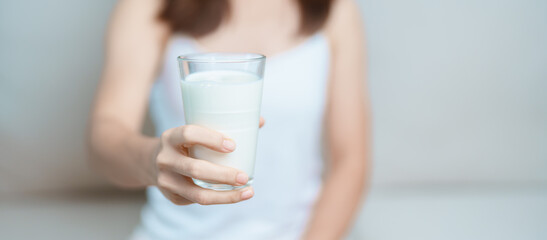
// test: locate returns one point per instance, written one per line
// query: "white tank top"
(289, 159)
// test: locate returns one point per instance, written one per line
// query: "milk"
(228, 102)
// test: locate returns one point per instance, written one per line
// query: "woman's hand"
(175, 168)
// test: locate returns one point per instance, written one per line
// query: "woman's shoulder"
(344, 19)
(137, 17)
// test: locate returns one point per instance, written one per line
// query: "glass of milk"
(223, 92)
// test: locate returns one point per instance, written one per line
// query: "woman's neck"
(268, 27)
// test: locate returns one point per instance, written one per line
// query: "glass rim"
(222, 57)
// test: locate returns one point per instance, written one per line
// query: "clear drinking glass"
(223, 92)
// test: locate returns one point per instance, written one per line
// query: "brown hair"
(199, 17)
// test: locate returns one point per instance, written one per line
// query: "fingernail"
(242, 178)
(246, 194)
(229, 145)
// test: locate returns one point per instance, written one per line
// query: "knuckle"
(162, 181)
(234, 198)
(174, 198)
(219, 139)
(200, 198)
(178, 200)
(188, 131)
(162, 161)
(166, 134)
(193, 169)
(232, 176)
(227, 176)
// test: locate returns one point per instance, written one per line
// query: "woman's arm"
(134, 48)
(347, 126)
(134, 45)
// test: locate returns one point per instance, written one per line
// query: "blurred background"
(459, 95)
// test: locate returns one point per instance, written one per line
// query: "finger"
(175, 198)
(204, 196)
(184, 187)
(189, 135)
(262, 121)
(208, 171)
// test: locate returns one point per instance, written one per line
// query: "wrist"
(146, 148)
(150, 153)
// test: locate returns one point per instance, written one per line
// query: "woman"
(314, 89)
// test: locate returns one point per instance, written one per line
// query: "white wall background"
(459, 90)
(50, 58)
